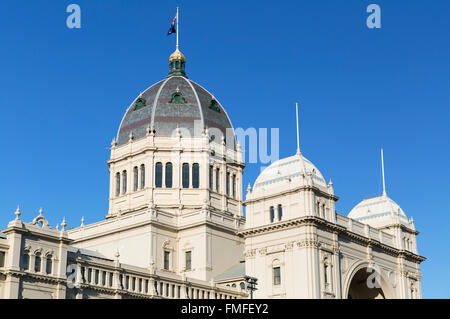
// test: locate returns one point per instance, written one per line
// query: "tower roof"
(287, 172)
(175, 103)
(378, 211)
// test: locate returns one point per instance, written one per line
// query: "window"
(276, 276)
(89, 275)
(188, 260)
(227, 184)
(103, 278)
(158, 175)
(124, 182)
(135, 178)
(142, 176)
(166, 260)
(234, 186)
(140, 103)
(211, 170)
(272, 214)
(325, 273)
(217, 179)
(280, 212)
(195, 175)
(49, 265)
(242, 285)
(25, 261)
(117, 184)
(111, 278)
(2, 259)
(96, 274)
(37, 263)
(168, 175)
(185, 174)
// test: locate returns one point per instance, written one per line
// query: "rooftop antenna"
(382, 172)
(298, 137)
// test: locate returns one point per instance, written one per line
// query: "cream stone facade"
(176, 226)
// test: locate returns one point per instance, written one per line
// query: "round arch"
(356, 269)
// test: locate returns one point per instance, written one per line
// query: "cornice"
(332, 227)
(315, 189)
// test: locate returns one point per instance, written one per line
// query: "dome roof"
(378, 211)
(175, 102)
(291, 171)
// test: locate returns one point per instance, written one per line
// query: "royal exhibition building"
(176, 227)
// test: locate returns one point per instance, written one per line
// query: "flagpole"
(298, 138)
(178, 29)
(382, 172)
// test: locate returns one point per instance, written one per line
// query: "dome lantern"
(177, 63)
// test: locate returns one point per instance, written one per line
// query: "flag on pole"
(172, 26)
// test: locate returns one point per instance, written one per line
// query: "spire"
(177, 61)
(298, 134)
(382, 172)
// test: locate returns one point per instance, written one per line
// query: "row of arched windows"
(230, 186)
(138, 180)
(279, 213)
(37, 263)
(190, 177)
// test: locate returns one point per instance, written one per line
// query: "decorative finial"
(63, 224)
(40, 211)
(330, 183)
(148, 130)
(57, 227)
(249, 188)
(113, 142)
(82, 221)
(117, 254)
(239, 147)
(17, 212)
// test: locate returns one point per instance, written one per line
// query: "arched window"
(234, 186)
(227, 184)
(142, 176)
(211, 170)
(272, 214)
(25, 261)
(158, 175)
(185, 175)
(135, 178)
(169, 175)
(48, 265)
(280, 212)
(242, 285)
(217, 179)
(276, 276)
(37, 262)
(233, 285)
(124, 182)
(195, 175)
(117, 184)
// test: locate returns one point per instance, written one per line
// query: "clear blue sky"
(63, 93)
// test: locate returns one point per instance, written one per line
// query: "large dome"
(287, 173)
(175, 102)
(378, 212)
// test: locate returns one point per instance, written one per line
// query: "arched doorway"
(365, 285)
